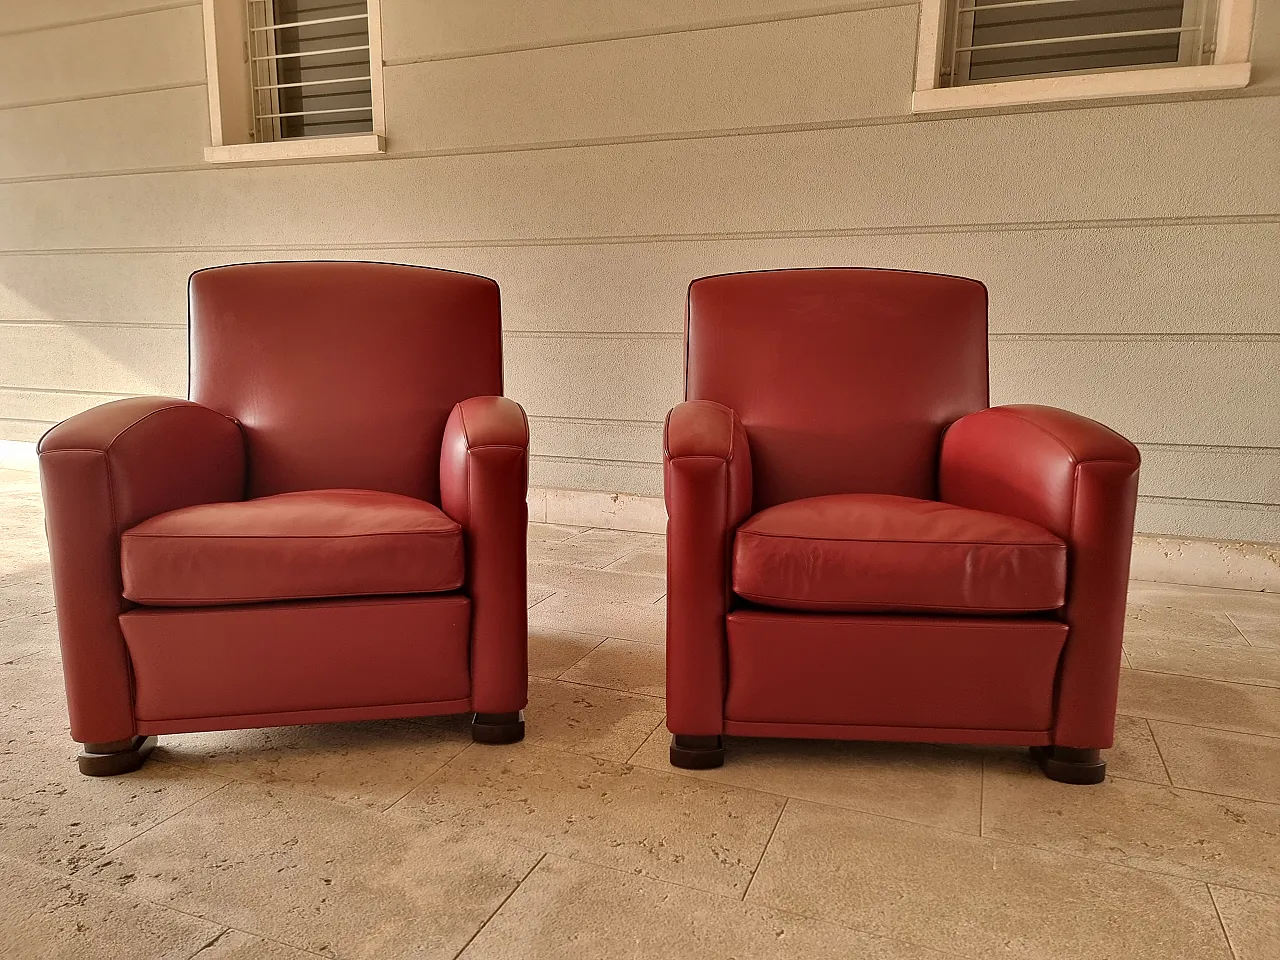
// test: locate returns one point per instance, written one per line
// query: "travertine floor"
(402, 839)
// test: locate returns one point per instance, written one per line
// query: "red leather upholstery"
(484, 479)
(102, 472)
(707, 481)
(330, 384)
(843, 378)
(935, 673)
(1078, 479)
(860, 384)
(216, 668)
(881, 553)
(292, 546)
(307, 356)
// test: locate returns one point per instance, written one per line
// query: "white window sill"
(318, 148)
(1093, 86)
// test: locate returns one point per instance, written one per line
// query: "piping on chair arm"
(102, 472)
(1079, 480)
(484, 485)
(707, 480)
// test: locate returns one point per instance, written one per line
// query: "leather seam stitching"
(347, 602)
(936, 543)
(286, 713)
(1075, 459)
(286, 536)
(962, 625)
(147, 416)
(217, 601)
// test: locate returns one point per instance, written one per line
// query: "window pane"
(1046, 37)
(314, 75)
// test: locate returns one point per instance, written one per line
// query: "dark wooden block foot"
(498, 727)
(1071, 765)
(696, 753)
(110, 759)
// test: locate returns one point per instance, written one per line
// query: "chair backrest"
(845, 378)
(342, 374)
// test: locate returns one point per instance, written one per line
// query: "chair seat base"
(1071, 765)
(498, 727)
(696, 753)
(111, 759)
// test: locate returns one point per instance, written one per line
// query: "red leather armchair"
(859, 547)
(331, 529)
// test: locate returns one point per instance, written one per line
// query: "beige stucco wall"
(595, 155)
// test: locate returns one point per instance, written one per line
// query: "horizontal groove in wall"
(595, 461)
(887, 230)
(590, 335)
(726, 24)
(73, 324)
(154, 88)
(68, 391)
(1211, 447)
(533, 147)
(1228, 504)
(34, 423)
(1139, 337)
(595, 420)
(124, 14)
(611, 421)
(679, 335)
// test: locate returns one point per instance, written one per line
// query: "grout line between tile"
(1221, 923)
(732, 898)
(480, 929)
(646, 739)
(424, 778)
(600, 686)
(183, 809)
(128, 894)
(1159, 753)
(1192, 676)
(1200, 676)
(599, 643)
(765, 849)
(209, 943)
(596, 686)
(536, 602)
(1054, 851)
(390, 807)
(1203, 793)
(982, 795)
(1203, 726)
(1231, 620)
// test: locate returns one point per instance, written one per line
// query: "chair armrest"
(706, 464)
(102, 472)
(484, 485)
(1079, 480)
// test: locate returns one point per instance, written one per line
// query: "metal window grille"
(993, 40)
(309, 67)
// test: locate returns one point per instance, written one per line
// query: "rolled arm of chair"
(102, 472)
(706, 464)
(1079, 480)
(484, 485)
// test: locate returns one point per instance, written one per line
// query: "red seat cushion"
(291, 546)
(874, 552)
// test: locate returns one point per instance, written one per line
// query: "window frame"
(1228, 70)
(231, 115)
